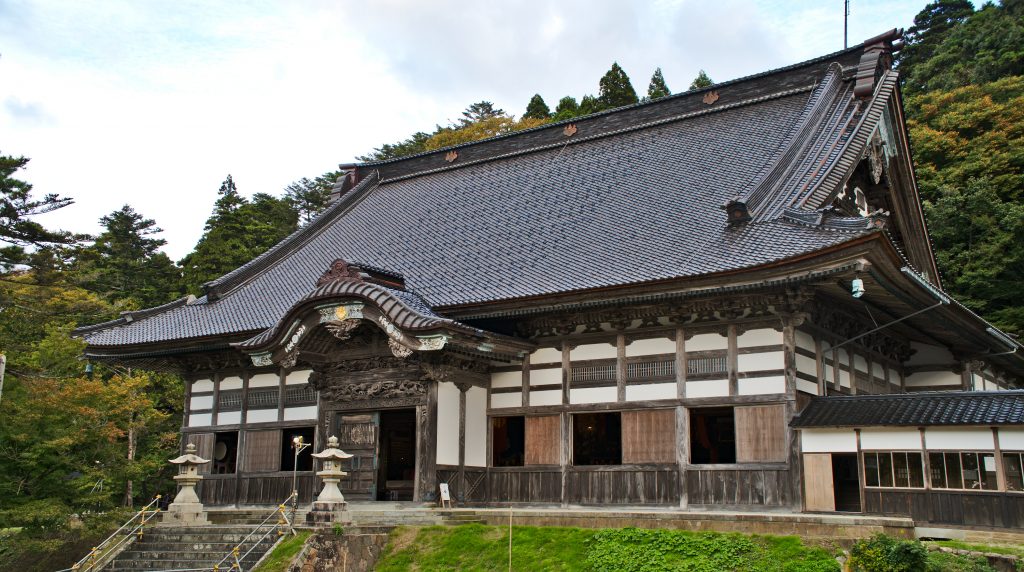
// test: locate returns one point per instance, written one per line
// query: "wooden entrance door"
(359, 435)
(819, 492)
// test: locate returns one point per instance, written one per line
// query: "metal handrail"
(235, 556)
(89, 562)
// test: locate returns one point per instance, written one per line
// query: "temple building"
(721, 299)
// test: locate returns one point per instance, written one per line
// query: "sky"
(154, 103)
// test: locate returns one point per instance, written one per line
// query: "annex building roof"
(983, 408)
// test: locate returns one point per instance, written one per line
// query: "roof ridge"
(605, 134)
(652, 102)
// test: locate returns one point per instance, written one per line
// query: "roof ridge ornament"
(876, 60)
(340, 270)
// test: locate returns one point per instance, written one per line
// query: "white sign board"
(446, 496)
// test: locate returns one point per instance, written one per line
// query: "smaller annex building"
(720, 299)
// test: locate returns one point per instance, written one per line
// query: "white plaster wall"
(828, 441)
(926, 354)
(807, 386)
(593, 395)
(261, 415)
(507, 379)
(707, 388)
(652, 346)
(959, 439)
(202, 385)
(545, 397)
(200, 419)
(929, 378)
(201, 402)
(593, 351)
(298, 377)
(264, 380)
(229, 418)
(761, 361)
(704, 342)
(650, 392)
(806, 365)
(296, 413)
(507, 400)
(878, 371)
(760, 337)
(548, 376)
(546, 355)
(859, 363)
(447, 424)
(804, 340)
(762, 385)
(230, 383)
(476, 427)
(890, 439)
(1011, 439)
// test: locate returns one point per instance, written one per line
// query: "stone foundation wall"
(355, 550)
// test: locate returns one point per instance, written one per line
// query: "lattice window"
(262, 398)
(593, 373)
(229, 401)
(299, 395)
(650, 370)
(698, 366)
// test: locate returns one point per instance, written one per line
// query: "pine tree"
(537, 109)
(17, 205)
(590, 104)
(657, 87)
(615, 90)
(567, 108)
(931, 26)
(125, 263)
(309, 198)
(701, 81)
(478, 112)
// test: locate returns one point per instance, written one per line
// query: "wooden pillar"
(620, 368)
(215, 406)
(281, 377)
(566, 372)
(966, 381)
(426, 446)
(853, 371)
(860, 468)
(682, 450)
(819, 367)
(186, 408)
(463, 388)
(526, 380)
(789, 357)
(836, 371)
(565, 454)
(732, 362)
(1000, 470)
(927, 462)
(243, 410)
(903, 381)
(681, 367)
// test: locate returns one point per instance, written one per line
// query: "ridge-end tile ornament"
(330, 506)
(339, 270)
(710, 97)
(186, 508)
(451, 156)
(569, 130)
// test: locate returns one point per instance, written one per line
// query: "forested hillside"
(77, 437)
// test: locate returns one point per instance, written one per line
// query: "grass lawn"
(475, 547)
(1013, 550)
(283, 553)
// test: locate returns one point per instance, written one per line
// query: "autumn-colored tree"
(483, 129)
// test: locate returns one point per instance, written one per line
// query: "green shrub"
(946, 562)
(882, 553)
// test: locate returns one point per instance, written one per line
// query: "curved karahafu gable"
(349, 296)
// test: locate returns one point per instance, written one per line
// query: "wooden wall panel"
(819, 491)
(649, 436)
(518, 485)
(543, 440)
(739, 487)
(761, 434)
(623, 486)
(261, 451)
(204, 448)
(980, 508)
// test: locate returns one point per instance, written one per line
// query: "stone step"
(187, 537)
(213, 552)
(175, 564)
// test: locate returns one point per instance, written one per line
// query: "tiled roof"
(914, 409)
(641, 204)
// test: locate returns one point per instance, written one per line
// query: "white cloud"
(153, 103)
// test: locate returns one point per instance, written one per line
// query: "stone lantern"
(330, 505)
(186, 508)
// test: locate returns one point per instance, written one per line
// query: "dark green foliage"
(590, 104)
(615, 90)
(567, 108)
(931, 26)
(309, 198)
(701, 81)
(124, 263)
(657, 88)
(965, 48)
(478, 112)
(237, 231)
(882, 553)
(411, 146)
(17, 206)
(477, 547)
(537, 109)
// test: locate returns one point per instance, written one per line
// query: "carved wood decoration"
(375, 390)
(339, 270)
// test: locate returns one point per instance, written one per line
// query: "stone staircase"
(191, 548)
